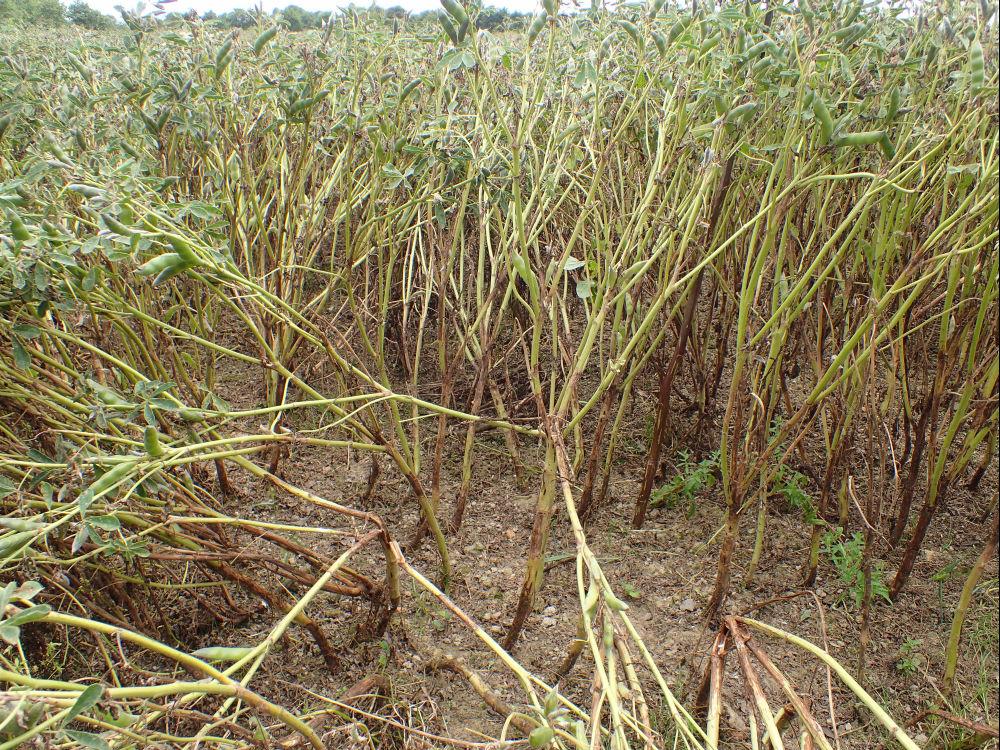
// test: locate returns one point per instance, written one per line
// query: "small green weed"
(910, 659)
(789, 484)
(846, 554)
(689, 481)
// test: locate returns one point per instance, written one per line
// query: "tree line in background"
(79, 13)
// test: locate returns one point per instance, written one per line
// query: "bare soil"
(666, 572)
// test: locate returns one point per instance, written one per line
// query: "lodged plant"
(780, 221)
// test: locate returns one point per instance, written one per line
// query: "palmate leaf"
(7, 487)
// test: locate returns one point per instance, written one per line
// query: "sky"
(220, 6)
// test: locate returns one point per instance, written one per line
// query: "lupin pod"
(263, 38)
(536, 27)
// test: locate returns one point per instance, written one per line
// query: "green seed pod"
(86, 73)
(848, 34)
(931, 56)
(18, 230)
(57, 150)
(455, 10)
(221, 65)
(677, 29)
(521, 267)
(551, 702)
(536, 27)
(160, 263)
(892, 108)
(592, 599)
(106, 395)
(741, 112)
(541, 736)
(222, 653)
(862, 138)
(129, 149)
(761, 65)
(661, 43)
(110, 478)
(13, 545)
(449, 27)
(191, 415)
(169, 273)
(224, 51)
(551, 7)
(301, 105)
(887, 146)
(655, 6)
(709, 44)
(764, 45)
(408, 89)
(5, 121)
(823, 117)
(631, 29)
(615, 603)
(263, 38)
(150, 123)
(721, 105)
(151, 442)
(977, 66)
(183, 248)
(116, 226)
(87, 191)
(20, 524)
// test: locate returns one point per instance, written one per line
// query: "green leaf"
(80, 539)
(27, 591)
(87, 700)
(393, 176)
(5, 594)
(27, 331)
(631, 591)
(88, 740)
(10, 634)
(85, 499)
(21, 357)
(7, 487)
(89, 281)
(31, 614)
(107, 523)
